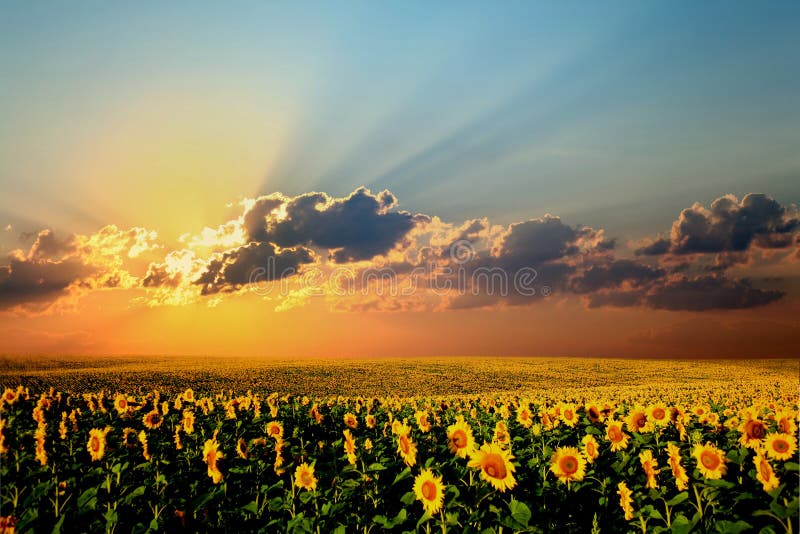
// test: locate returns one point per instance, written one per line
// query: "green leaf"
(87, 500)
(137, 492)
(791, 466)
(251, 507)
(376, 467)
(731, 527)
(520, 512)
(405, 473)
(408, 498)
(677, 499)
(680, 525)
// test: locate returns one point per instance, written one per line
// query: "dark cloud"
(615, 274)
(36, 282)
(252, 263)
(729, 226)
(709, 293)
(358, 227)
(538, 240)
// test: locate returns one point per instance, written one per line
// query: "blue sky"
(613, 115)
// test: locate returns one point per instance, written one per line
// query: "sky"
(370, 179)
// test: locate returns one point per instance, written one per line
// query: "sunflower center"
(614, 434)
(305, 478)
(590, 449)
(569, 464)
(709, 460)
(494, 466)
(95, 444)
(783, 425)
(460, 439)
(780, 445)
(755, 430)
(640, 420)
(404, 445)
(568, 414)
(429, 490)
(658, 414)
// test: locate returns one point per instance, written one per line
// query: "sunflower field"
(116, 462)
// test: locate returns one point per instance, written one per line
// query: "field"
(432, 444)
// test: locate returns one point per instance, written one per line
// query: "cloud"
(250, 264)
(729, 226)
(55, 270)
(357, 227)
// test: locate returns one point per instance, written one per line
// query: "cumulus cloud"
(55, 269)
(357, 227)
(729, 226)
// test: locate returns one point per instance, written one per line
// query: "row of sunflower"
(252, 462)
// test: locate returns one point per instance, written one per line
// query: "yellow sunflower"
(152, 420)
(406, 446)
(569, 414)
(753, 431)
(349, 446)
(429, 490)
(459, 438)
(370, 420)
(568, 464)
(211, 456)
(593, 412)
(591, 449)
(121, 404)
(241, 449)
(129, 438)
(678, 471)
(97, 443)
(275, 430)
(636, 421)
(618, 438)
(350, 420)
(525, 417)
(188, 421)
(710, 461)
(304, 477)
(501, 434)
(188, 395)
(764, 473)
(422, 421)
(780, 446)
(649, 465)
(495, 465)
(625, 500)
(9, 396)
(657, 414)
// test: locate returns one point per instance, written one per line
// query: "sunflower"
(780, 446)
(678, 471)
(569, 414)
(188, 421)
(459, 438)
(275, 430)
(625, 500)
(304, 477)
(129, 439)
(501, 434)
(525, 417)
(40, 435)
(649, 465)
(97, 443)
(211, 455)
(618, 438)
(145, 450)
(710, 461)
(9, 396)
(350, 420)
(637, 420)
(406, 446)
(495, 465)
(177, 438)
(370, 420)
(765, 473)
(657, 413)
(568, 464)
(591, 449)
(153, 420)
(593, 412)
(188, 395)
(422, 421)
(785, 420)
(349, 446)
(429, 490)
(121, 404)
(241, 449)
(753, 431)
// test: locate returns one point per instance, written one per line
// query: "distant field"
(396, 376)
